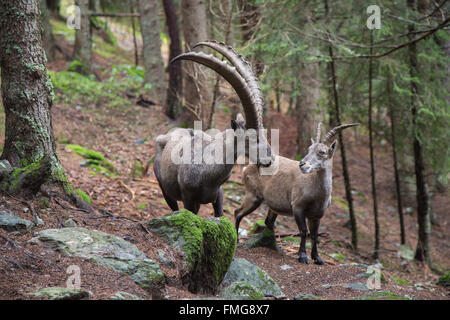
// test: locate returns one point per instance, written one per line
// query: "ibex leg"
(250, 204)
(301, 223)
(218, 204)
(314, 230)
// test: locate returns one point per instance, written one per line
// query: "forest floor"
(125, 133)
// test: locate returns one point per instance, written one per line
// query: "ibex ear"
(332, 148)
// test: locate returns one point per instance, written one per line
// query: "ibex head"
(319, 153)
(241, 77)
(256, 146)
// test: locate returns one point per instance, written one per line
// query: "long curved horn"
(318, 132)
(336, 130)
(234, 78)
(242, 66)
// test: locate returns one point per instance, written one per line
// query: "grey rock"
(106, 250)
(307, 296)
(12, 223)
(164, 259)
(59, 293)
(122, 295)
(241, 290)
(244, 271)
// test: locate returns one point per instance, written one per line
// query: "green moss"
(445, 280)
(259, 226)
(83, 196)
(400, 281)
(94, 160)
(79, 67)
(31, 171)
(382, 295)
(44, 203)
(242, 290)
(208, 244)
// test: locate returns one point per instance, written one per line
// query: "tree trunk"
(394, 156)
(250, 16)
(54, 6)
(304, 109)
(48, 40)
(83, 38)
(228, 12)
(196, 93)
(174, 91)
(348, 188)
(151, 49)
(133, 27)
(423, 250)
(372, 159)
(27, 95)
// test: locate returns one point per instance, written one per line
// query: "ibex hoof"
(318, 261)
(303, 259)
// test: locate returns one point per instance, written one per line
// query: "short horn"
(318, 132)
(236, 81)
(336, 130)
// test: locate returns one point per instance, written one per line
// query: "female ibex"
(200, 182)
(302, 189)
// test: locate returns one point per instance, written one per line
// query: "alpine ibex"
(196, 183)
(302, 189)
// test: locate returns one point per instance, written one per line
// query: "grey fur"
(201, 183)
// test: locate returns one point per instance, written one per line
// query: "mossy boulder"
(12, 223)
(307, 296)
(445, 280)
(59, 293)
(106, 250)
(241, 290)
(206, 244)
(122, 295)
(382, 295)
(265, 239)
(242, 270)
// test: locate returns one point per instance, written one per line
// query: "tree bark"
(305, 103)
(151, 49)
(196, 93)
(27, 95)
(348, 188)
(48, 40)
(394, 156)
(83, 38)
(423, 250)
(172, 108)
(372, 158)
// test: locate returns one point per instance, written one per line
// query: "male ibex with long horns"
(302, 189)
(200, 182)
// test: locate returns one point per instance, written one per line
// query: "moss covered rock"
(106, 250)
(265, 239)
(59, 293)
(241, 290)
(94, 160)
(207, 246)
(244, 271)
(382, 295)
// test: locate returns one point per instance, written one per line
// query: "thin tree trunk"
(228, 8)
(83, 38)
(372, 159)
(174, 91)
(196, 93)
(27, 96)
(53, 5)
(133, 27)
(48, 40)
(423, 250)
(394, 155)
(348, 189)
(151, 49)
(250, 16)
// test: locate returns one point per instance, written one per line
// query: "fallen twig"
(128, 189)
